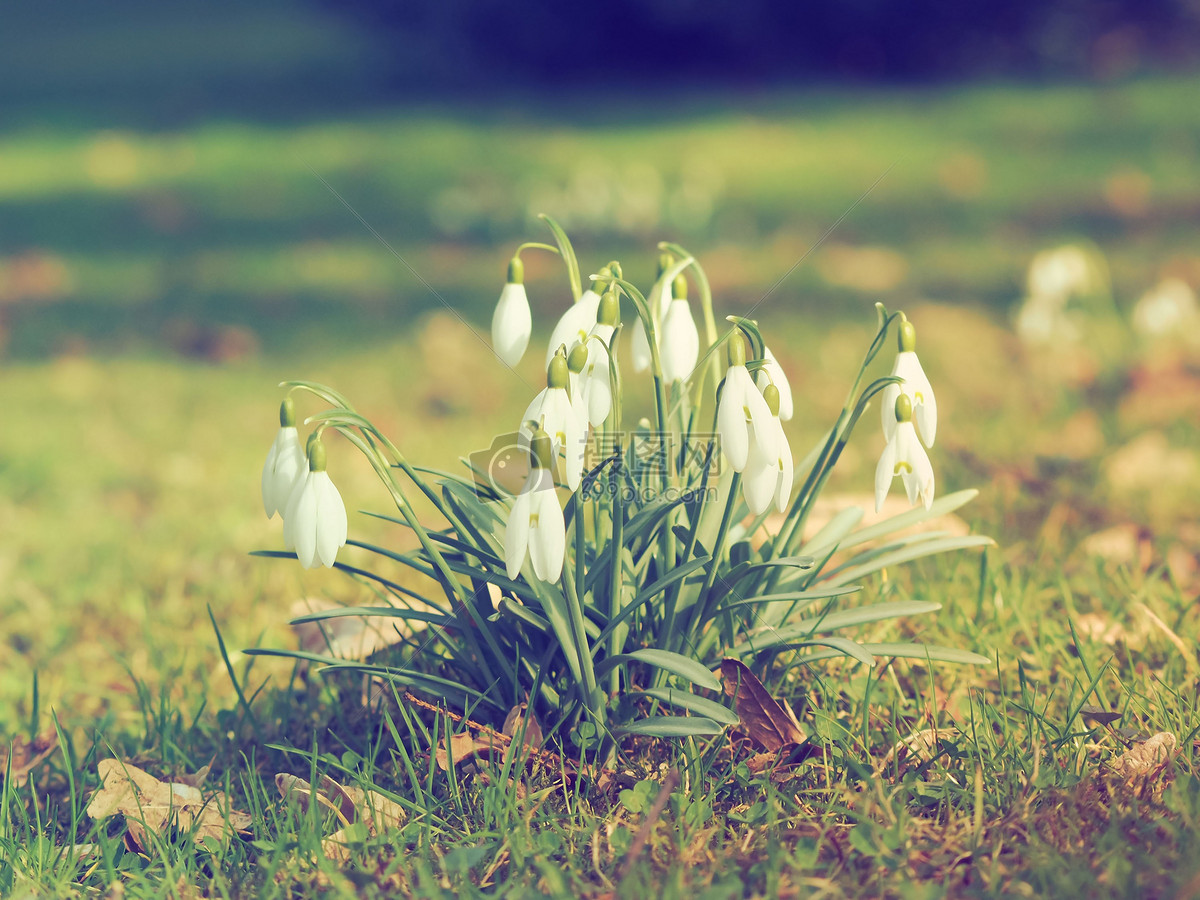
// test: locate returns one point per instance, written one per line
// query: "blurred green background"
(172, 246)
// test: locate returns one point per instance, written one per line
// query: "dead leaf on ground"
(24, 756)
(1145, 758)
(346, 637)
(361, 813)
(484, 742)
(765, 720)
(1098, 715)
(151, 806)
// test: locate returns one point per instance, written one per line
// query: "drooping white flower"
(904, 456)
(314, 523)
(766, 477)
(536, 528)
(772, 373)
(658, 299)
(575, 324)
(512, 322)
(594, 387)
(566, 425)
(286, 463)
(915, 387)
(743, 408)
(679, 340)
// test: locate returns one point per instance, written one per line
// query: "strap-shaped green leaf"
(702, 705)
(673, 726)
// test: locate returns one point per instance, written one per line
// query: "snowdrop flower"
(551, 411)
(743, 410)
(767, 477)
(576, 322)
(535, 525)
(904, 456)
(915, 387)
(772, 373)
(679, 341)
(512, 321)
(286, 463)
(659, 299)
(1167, 308)
(314, 524)
(594, 399)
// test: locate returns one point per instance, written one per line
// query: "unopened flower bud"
(771, 395)
(556, 374)
(577, 360)
(904, 409)
(610, 309)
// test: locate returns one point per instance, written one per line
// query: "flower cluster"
(296, 485)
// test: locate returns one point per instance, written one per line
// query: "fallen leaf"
(21, 757)
(764, 719)
(347, 637)
(151, 806)
(362, 813)
(518, 718)
(1146, 757)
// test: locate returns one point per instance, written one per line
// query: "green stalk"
(575, 610)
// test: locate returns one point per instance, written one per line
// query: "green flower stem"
(568, 254)
(536, 245)
(616, 640)
(575, 610)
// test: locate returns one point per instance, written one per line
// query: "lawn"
(156, 286)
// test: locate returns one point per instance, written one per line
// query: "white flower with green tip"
(314, 524)
(905, 457)
(743, 410)
(286, 463)
(772, 373)
(553, 412)
(536, 529)
(915, 387)
(768, 477)
(659, 300)
(512, 322)
(575, 324)
(679, 339)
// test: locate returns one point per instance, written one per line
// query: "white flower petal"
(302, 516)
(759, 479)
(548, 540)
(762, 420)
(516, 534)
(887, 409)
(680, 343)
(575, 324)
(731, 423)
(285, 466)
(884, 472)
(783, 489)
(331, 520)
(916, 386)
(640, 353)
(512, 324)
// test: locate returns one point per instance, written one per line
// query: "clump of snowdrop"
(1168, 308)
(1063, 286)
(631, 559)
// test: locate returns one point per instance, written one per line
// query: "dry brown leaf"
(764, 719)
(1098, 715)
(347, 637)
(357, 810)
(24, 756)
(518, 718)
(151, 806)
(1146, 757)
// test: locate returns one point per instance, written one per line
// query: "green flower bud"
(771, 395)
(316, 456)
(556, 375)
(604, 273)
(903, 408)
(576, 361)
(679, 287)
(609, 312)
(516, 271)
(907, 336)
(665, 261)
(614, 267)
(287, 413)
(736, 349)
(541, 451)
